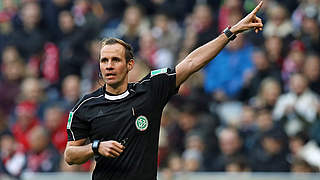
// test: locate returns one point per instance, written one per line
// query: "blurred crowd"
(254, 108)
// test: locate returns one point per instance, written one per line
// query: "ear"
(130, 64)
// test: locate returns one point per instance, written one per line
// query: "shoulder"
(87, 98)
(156, 74)
(287, 97)
(311, 95)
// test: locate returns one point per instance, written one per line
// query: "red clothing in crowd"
(59, 137)
(22, 135)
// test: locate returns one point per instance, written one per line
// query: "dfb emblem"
(141, 123)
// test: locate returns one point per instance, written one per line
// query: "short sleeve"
(78, 127)
(163, 84)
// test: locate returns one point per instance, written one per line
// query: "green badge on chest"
(142, 123)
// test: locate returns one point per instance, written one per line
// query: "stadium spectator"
(247, 125)
(50, 12)
(199, 29)
(263, 69)
(9, 8)
(32, 91)
(141, 69)
(71, 91)
(229, 69)
(278, 23)
(151, 54)
(272, 156)
(231, 145)
(294, 61)
(269, 92)
(175, 163)
(296, 143)
(13, 158)
(71, 46)
(133, 24)
(297, 109)
(238, 164)
(310, 33)
(25, 121)
(4, 124)
(315, 128)
(90, 69)
(167, 33)
(301, 166)
(186, 123)
(193, 154)
(29, 31)
(275, 50)
(226, 10)
(311, 69)
(55, 123)
(42, 156)
(263, 123)
(110, 11)
(7, 14)
(192, 160)
(12, 73)
(167, 121)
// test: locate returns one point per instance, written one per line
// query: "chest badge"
(141, 123)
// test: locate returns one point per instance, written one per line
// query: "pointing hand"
(251, 21)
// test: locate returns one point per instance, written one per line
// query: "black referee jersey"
(132, 118)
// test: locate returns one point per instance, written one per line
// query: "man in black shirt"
(122, 120)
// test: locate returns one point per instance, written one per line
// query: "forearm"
(200, 57)
(78, 154)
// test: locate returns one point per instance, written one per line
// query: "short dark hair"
(128, 48)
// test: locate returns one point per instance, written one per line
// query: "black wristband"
(95, 147)
(231, 36)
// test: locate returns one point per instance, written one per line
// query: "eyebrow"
(103, 59)
(116, 58)
(112, 58)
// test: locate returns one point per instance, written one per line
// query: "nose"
(109, 65)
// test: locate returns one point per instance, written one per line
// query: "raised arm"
(204, 54)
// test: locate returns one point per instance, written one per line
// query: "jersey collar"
(132, 91)
(116, 97)
(112, 97)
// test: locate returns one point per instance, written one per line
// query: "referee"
(122, 120)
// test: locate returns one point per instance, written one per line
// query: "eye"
(116, 59)
(103, 60)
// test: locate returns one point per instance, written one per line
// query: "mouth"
(110, 75)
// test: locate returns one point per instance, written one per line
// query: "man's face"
(113, 65)
(298, 84)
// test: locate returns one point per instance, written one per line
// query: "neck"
(116, 90)
(29, 27)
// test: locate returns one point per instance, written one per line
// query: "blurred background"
(254, 108)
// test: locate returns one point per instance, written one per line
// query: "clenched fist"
(111, 149)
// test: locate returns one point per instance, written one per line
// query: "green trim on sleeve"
(69, 120)
(159, 71)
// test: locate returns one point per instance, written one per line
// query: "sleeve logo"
(159, 71)
(141, 123)
(69, 120)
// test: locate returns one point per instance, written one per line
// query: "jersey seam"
(77, 109)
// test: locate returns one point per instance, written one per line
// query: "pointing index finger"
(257, 8)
